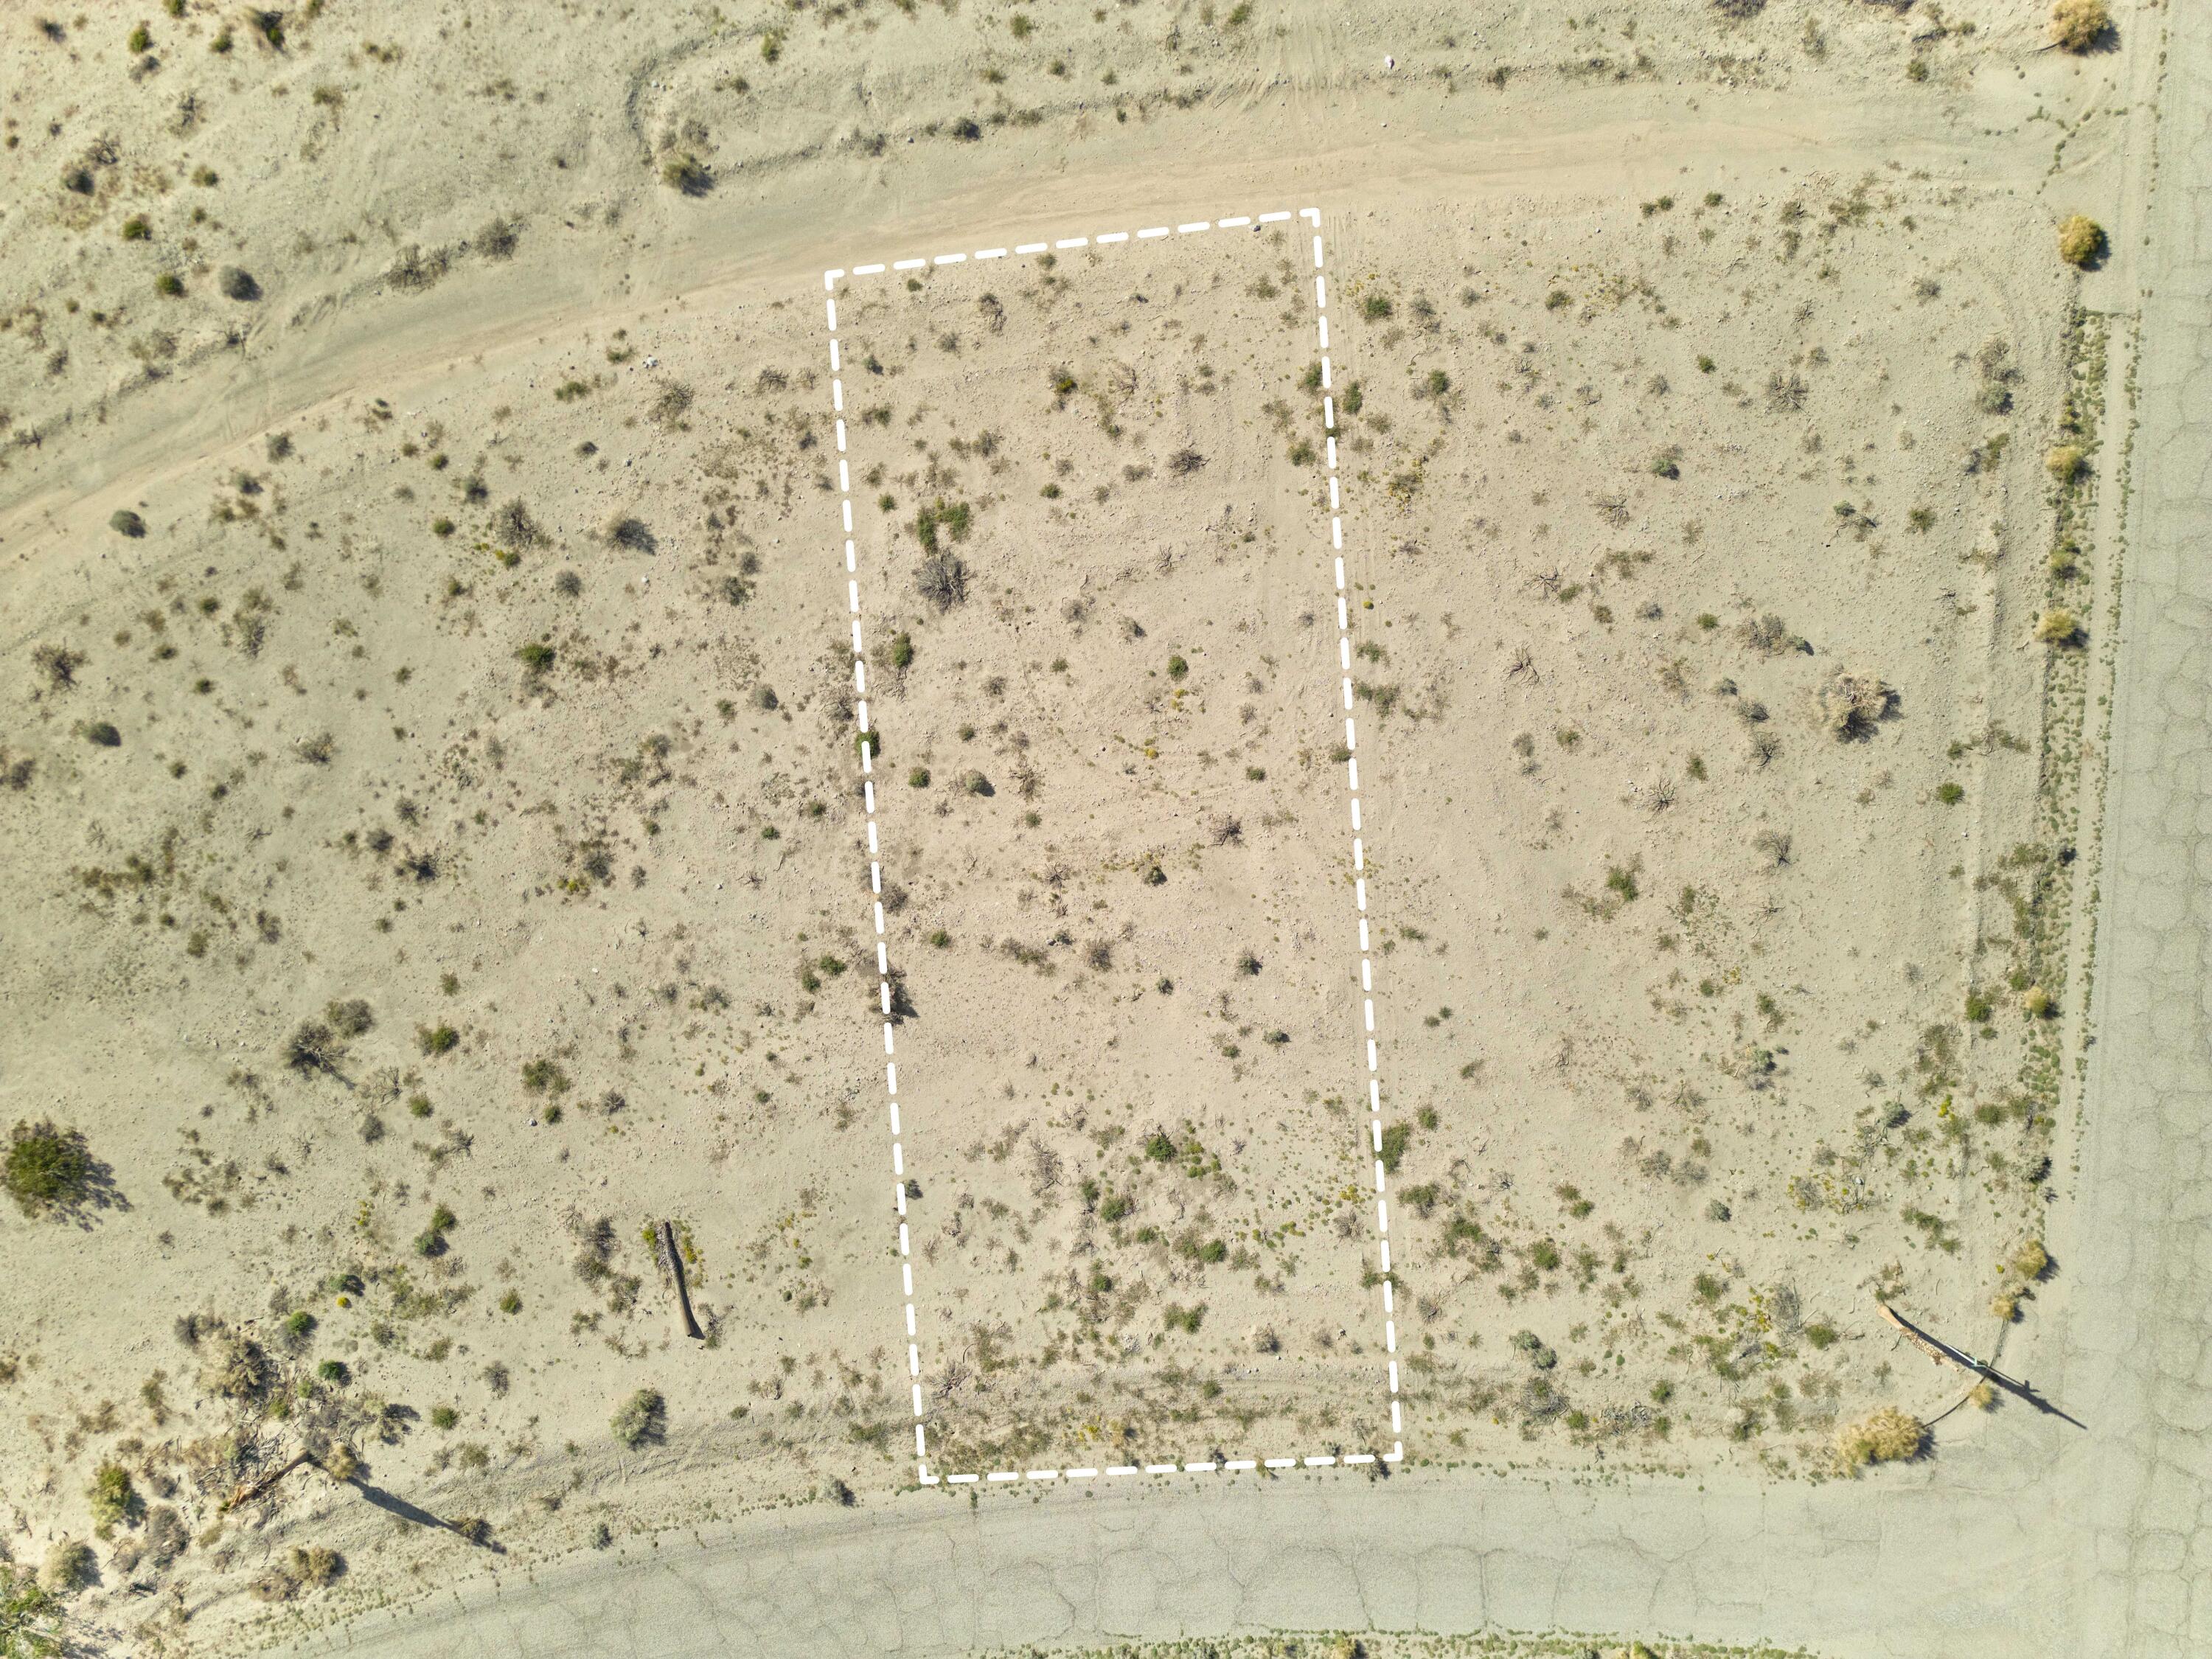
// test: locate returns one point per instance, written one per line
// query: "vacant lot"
(427, 767)
(1106, 686)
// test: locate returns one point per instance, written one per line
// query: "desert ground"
(445, 845)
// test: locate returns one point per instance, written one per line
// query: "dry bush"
(1852, 705)
(237, 1368)
(165, 1537)
(498, 238)
(1885, 1435)
(942, 580)
(2057, 626)
(57, 665)
(643, 1417)
(672, 405)
(515, 528)
(414, 271)
(2079, 25)
(1769, 635)
(2081, 240)
(2064, 462)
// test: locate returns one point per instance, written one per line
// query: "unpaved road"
(2034, 1538)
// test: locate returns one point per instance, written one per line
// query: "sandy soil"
(478, 873)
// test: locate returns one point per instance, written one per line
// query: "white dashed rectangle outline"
(830, 279)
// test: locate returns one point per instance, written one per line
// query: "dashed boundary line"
(864, 744)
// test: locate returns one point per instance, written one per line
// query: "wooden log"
(1934, 1350)
(247, 1490)
(673, 1259)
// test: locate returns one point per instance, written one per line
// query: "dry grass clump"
(1885, 1435)
(71, 1566)
(2081, 240)
(2079, 25)
(2057, 626)
(1852, 705)
(2064, 462)
(311, 1568)
(2017, 1277)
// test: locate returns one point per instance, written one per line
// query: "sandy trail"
(410, 350)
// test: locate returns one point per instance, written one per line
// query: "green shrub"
(1395, 1139)
(124, 522)
(686, 174)
(952, 518)
(30, 1616)
(113, 1496)
(48, 1169)
(542, 1077)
